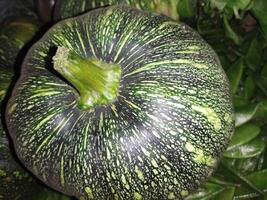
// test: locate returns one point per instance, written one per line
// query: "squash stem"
(97, 82)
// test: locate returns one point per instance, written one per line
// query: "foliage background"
(237, 30)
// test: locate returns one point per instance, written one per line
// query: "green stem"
(97, 82)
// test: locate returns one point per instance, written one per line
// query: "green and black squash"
(15, 182)
(70, 8)
(120, 103)
(14, 35)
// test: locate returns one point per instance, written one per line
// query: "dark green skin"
(14, 35)
(160, 139)
(70, 8)
(15, 182)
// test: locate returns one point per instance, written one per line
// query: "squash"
(121, 103)
(14, 34)
(15, 182)
(70, 8)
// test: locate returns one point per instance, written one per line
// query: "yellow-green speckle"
(137, 196)
(228, 118)
(171, 195)
(139, 173)
(184, 193)
(116, 197)
(154, 163)
(124, 181)
(175, 181)
(199, 156)
(189, 147)
(145, 151)
(12, 108)
(155, 172)
(89, 192)
(211, 116)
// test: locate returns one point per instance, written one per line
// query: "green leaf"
(258, 179)
(219, 4)
(248, 165)
(226, 194)
(238, 4)
(245, 113)
(220, 181)
(206, 192)
(186, 8)
(250, 87)
(262, 85)
(259, 11)
(242, 179)
(244, 134)
(248, 150)
(240, 101)
(230, 33)
(261, 114)
(232, 5)
(253, 56)
(234, 74)
(264, 71)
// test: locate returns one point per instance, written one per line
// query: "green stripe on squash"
(159, 138)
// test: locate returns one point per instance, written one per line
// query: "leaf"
(253, 56)
(262, 84)
(233, 5)
(220, 181)
(238, 4)
(207, 191)
(219, 4)
(186, 8)
(240, 101)
(229, 32)
(226, 194)
(259, 11)
(236, 174)
(248, 150)
(234, 74)
(250, 87)
(245, 113)
(261, 114)
(248, 165)
(244, 134)
(264, 71)
(258, 179)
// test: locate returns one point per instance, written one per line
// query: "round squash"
(120, 103)
(15, 182)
